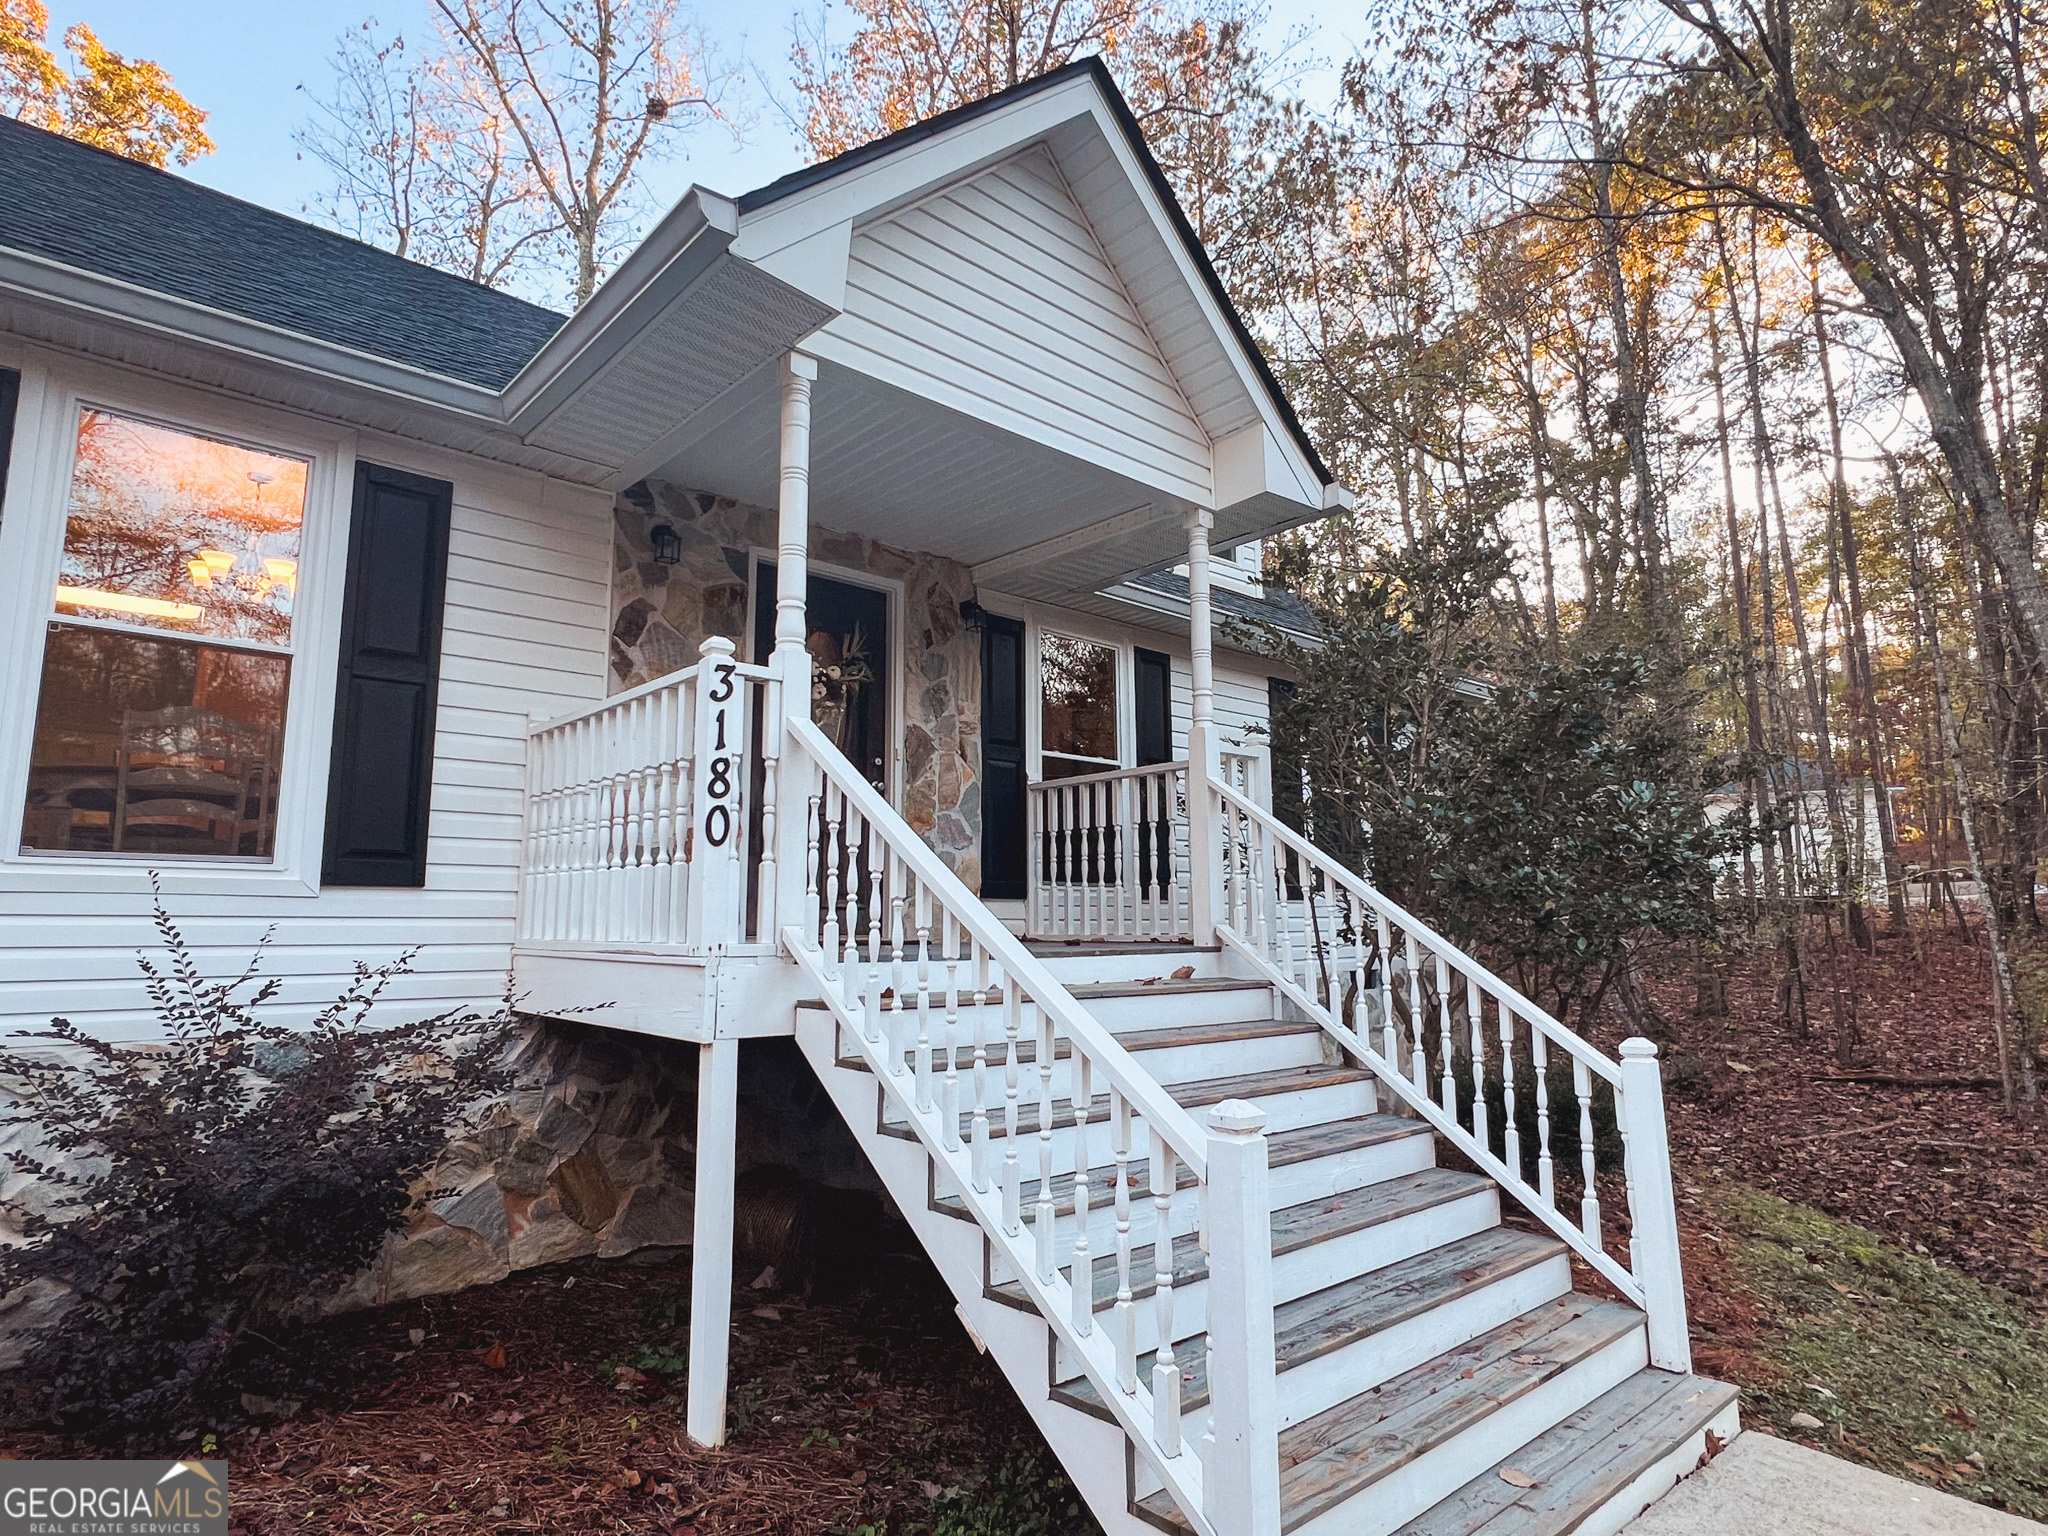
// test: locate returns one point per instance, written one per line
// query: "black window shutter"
(10, 397)
(1155, 711)
(1002, 760)
(382, 776)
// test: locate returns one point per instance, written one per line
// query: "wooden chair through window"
(188, 780)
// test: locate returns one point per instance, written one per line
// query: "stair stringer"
(1095, 1454)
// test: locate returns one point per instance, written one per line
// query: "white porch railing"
(1461, 1047)
(626, 842)
(1107, 855)
(964, 1029)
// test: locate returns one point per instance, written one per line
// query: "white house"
(817, 636)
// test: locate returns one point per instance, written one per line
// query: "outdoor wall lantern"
(668, 544)
(974, 616)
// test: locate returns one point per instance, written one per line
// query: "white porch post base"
(718, 1081)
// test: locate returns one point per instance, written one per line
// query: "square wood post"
(718, 1080)
(1241, 1467)
(1205, 841)
(1653, 1243)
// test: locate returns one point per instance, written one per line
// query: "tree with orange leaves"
(128, 106)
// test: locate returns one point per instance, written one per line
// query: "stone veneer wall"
(661, 613)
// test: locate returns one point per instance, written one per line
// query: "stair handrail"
(1015, 957)
(1652, 1280)
(875, 1018)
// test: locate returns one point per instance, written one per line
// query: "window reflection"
(1078, 720)
(148, 745)
(167, 743)
(172, 531)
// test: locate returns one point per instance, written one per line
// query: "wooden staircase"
(1437, 1371)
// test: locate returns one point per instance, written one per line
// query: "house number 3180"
(718, 783)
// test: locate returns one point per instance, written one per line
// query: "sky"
(252, 63)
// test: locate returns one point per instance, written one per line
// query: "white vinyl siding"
(525, 630)
(1241, 704)
(995, 298)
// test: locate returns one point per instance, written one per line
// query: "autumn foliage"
(128, 106)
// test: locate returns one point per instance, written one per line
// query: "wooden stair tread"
(1294, 1228)
(1583, 1462)
(1152, 1038)
(1314, 1325)
(1071, 948)
(1160, 987)
(1283, 1148)
(1244, 1085)
(1346, 1449)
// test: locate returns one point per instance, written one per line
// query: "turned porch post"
(1205, 850)
(790, 662)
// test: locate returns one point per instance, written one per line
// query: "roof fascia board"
(110, 300)
(679, 250)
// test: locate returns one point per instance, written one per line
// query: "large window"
(1079, 714)
(167, 663)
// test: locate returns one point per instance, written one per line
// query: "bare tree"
(422, 162)
(590, 91)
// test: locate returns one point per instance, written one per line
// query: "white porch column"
(793, 518)
(790, 662)
(1205, 851)
(718, 1082)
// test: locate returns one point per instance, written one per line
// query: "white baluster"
(1126, 1309)
(921, 912)
(1165, 1368)
(980, 1172)
(1448, 1084)
(1013, 1176)
(1475, 1008)
(1418, 1063)
(1546, 1182)
(1589, 1199)
(1511, 1140)
(899, 1043)
(1042, 1228)
(949, 945)
(1084, 1262)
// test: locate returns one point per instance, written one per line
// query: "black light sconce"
(974, 616)
(668, 544)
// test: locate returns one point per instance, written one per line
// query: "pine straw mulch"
(1937, 1168)
(511, 1414)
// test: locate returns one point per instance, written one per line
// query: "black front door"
(849, 644)
(1002, 760)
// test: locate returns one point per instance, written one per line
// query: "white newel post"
(1241, 1466)
(790, 661)
(1205, 843)
(718, 1080)
(1654, 1241)
(717, 878)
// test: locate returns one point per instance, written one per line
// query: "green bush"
(211, 1193)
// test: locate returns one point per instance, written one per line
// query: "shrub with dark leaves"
(204, 1197)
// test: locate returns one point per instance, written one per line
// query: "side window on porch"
(1078, 712)
(168, 654)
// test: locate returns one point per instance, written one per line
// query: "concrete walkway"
(1762, 1486)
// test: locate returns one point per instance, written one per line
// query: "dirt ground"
(519, 1407)
(1928, 1159)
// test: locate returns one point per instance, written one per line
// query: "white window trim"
(31, 548)
(1075, 627)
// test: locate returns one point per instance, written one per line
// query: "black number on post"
(723, 691)
(717, 826)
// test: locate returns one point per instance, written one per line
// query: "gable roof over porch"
(1028, 362)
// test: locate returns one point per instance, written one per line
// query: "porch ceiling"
(1030, 520)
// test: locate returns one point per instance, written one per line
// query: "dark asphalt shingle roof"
(103, 213)
(1278, 607)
